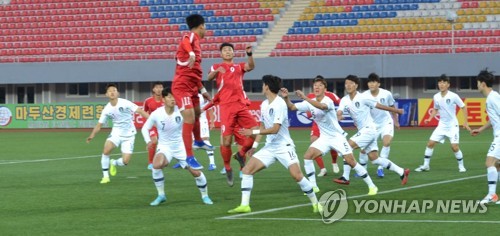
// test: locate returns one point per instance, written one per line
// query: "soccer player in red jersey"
(187, 84)
(150, 105)
(233, 104)
(315, 134)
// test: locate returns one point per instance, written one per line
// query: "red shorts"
(315, 129)
(185, 92)
(153, 132)
(235, 115)
(238, 138)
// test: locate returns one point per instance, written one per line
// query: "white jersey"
(276, 113)
(447, 108)
(493, 110)
(122, 116)
(169, 127)
(326, 119)
(359, 109)
(203, 103)
(381, 117)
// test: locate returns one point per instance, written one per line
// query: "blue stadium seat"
(342, 16)
(351, 15)
(178, 14)
(239, 25)
(307, 30)
(225, 33)
(384, 1)
(291, 31)
(151, 2)
(228, 19)
(359, 15)
(336, 23)
(414, 6)
(328, 22)
(365, 8)
(320, 23)
(231, 25)
(172, 20)
(367, 15)
(192, 7)
(315, 30)
(372, 7)
(264, 24)
(394, 1)
(380, 7)
(299, 31)
(168, 8)
(233, 32)
(389, 7)
(241, 32)
(182, 2)
(318, 17)
(398, 7)
(183, 27)
(176, 8)
(327, 17)
(200, 7)
(353, 22)
(375, 15)
(185, 14)
(143, 3)
(406, 7)
(312, 24)
(222, 26)
(334, 16)
(217, 33)
(184, 7)
(220, 19)
(393, 14)
(384, 14)
(304, 24)
(344, 23)
(296, 24)
(356, 8)
(162, 15)
(174, 2)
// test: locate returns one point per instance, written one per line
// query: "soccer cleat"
(461, 169)
(322, 172)
(342, 180)
(195, 165)
(229, 176)
(212, 167)
(112, 168)
(207, 200)
(158, 200)
(335, 168)
(380, 173)
(317, 208)
(490, 198)
(177, 166)
(404, 177)
(372, 191)
(240, 209)
(223, 171)
(423, 168)
(150, 166)
(105, 180)
(202, 145)
(239, 158)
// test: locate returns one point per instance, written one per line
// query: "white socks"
(460, 158)
(246, 189)
(386, 163)
(363, 174)
(492, 179)
(159, 181)
(307, 188)
(201, 182)
(309, 168)
(428, 154)
(105, 165)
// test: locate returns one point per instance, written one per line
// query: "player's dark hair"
(226, 44)
(194, 21)
(353, 78)
(165, 92)
(273, 82)
(109, 85)
(157, 83)
(373, 77)
(487, 77)
(444, 78)
(320, 79)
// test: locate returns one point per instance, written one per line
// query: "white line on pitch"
(243, 216)
(56, 159)
(379, 221)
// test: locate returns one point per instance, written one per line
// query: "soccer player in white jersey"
(332, 135)
(445, 102)
(485, 81)
(168, 122)
(121, 112)
(279, 146)
(358, 105)
(384, 121)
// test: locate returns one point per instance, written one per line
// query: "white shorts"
(326, 143)
(387, 129)
(125, 143)
(441, 132)
(285, 155)
(366, 139)
(494, 150)
(170, 151)
(204, 128)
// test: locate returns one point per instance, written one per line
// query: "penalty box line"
(244, 216)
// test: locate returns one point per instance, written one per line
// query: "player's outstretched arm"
(250, 65)
(390, 109)
(96, 130)
(289, 104)
(433, 114)
(315, 103)
(466, 123)
(261, 130)
(475, 132)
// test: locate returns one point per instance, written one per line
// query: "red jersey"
(150, 104)
(190, 43)
(334, 97)
(230, 83)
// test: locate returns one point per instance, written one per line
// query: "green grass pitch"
(50, 186)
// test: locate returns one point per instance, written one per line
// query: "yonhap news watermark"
(336, 205)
